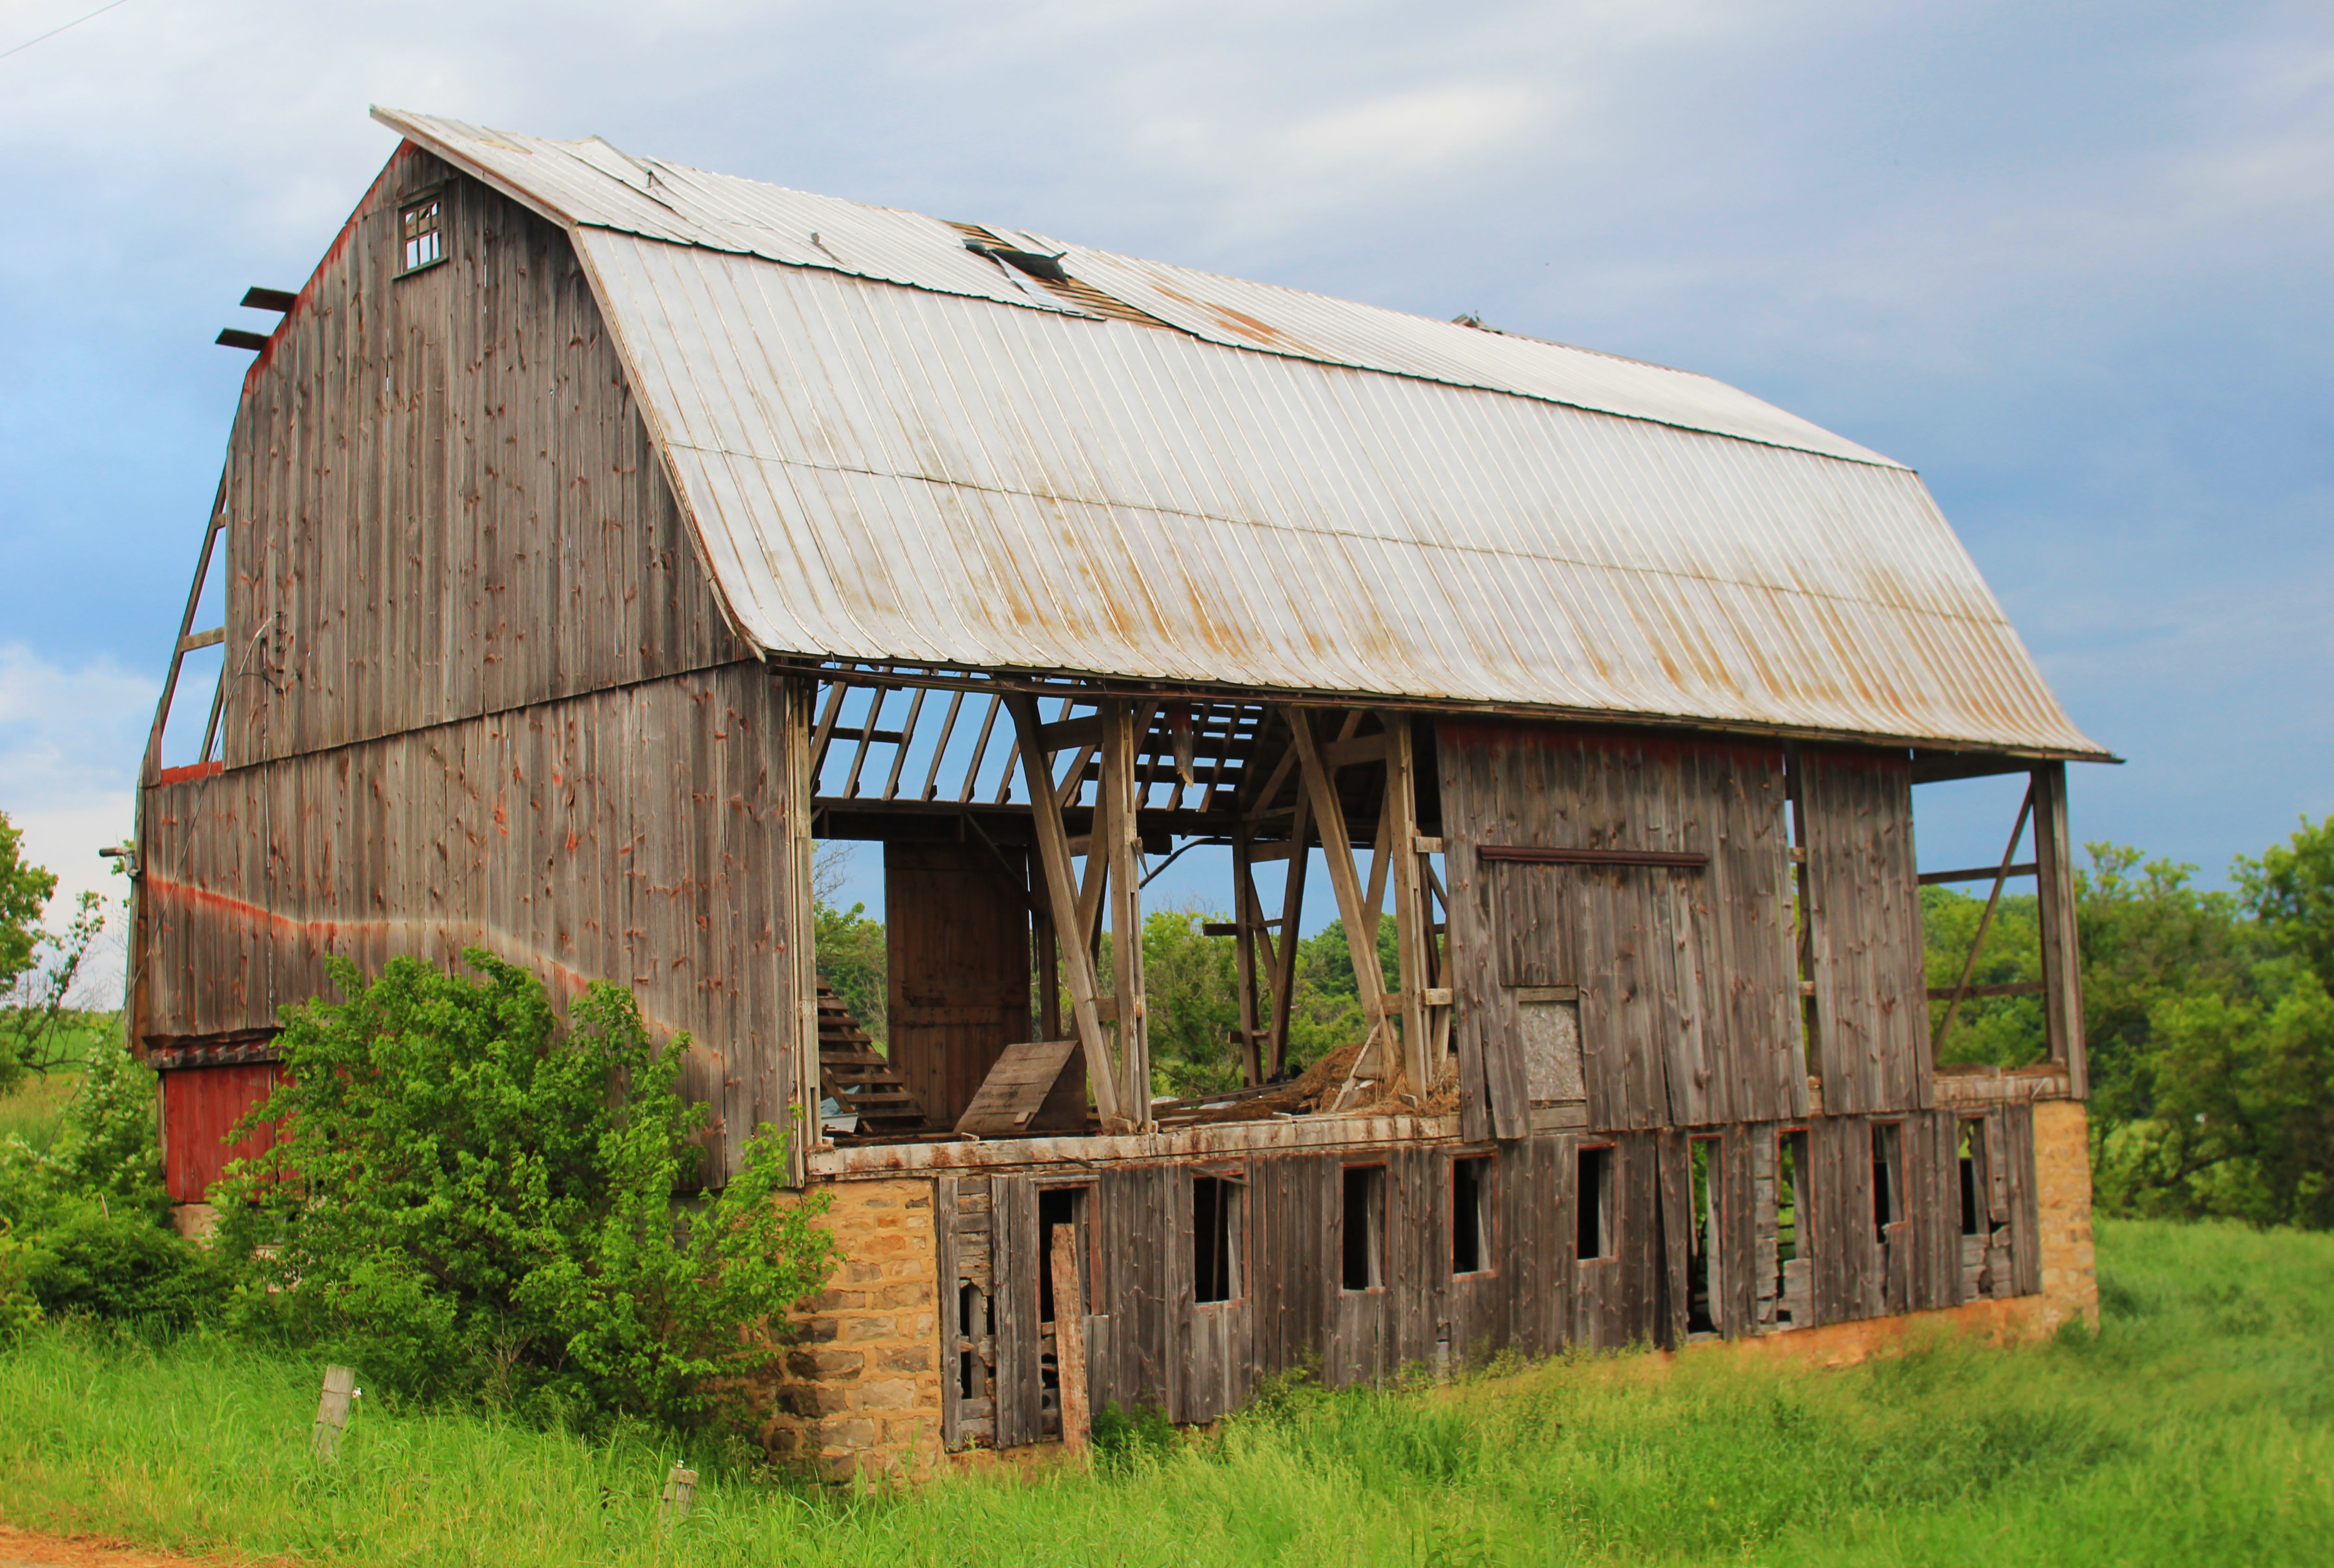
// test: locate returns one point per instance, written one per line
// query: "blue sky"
(2071, 261)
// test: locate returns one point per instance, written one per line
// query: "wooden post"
(332, 1412)
(1245, 916)
(1337, 848)
(1125, 848)
(1049, 961)
(1062, 893)
(680, 1493)
(796, 1092)
(1401, 842)
(1070, 1338)
(2062, 965)
(1292, 912)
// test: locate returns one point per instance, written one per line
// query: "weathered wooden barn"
(598, 534)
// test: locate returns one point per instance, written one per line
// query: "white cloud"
(69, 741)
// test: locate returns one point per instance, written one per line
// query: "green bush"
(468, 1202)
(122, 1266)
(1123, 1437)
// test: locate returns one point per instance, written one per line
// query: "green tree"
(1191, 987)
(469, 1201)
(2291, 888)
(25, 889)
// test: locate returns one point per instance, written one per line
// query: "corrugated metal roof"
(590, 183)
(913, 475)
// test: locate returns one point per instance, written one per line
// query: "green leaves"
(471, 1202)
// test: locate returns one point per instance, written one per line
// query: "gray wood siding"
(443, 500)
(1872, 1009)
(636, 835)
(1196, 1360)
(1688, 993)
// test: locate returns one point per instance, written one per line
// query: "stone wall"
(860, 1393)
(2062, 1179)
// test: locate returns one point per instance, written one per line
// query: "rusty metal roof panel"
(913, 475)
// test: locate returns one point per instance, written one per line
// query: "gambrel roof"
(899, 450)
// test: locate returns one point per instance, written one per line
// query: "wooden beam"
(1337, 848)
(1245, 925)
(2062, 969)
(1292, 910)
(1397, 841)
(1125, 851)
(1077, 962)
(1977, 874)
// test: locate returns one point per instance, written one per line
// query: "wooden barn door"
(958, 952)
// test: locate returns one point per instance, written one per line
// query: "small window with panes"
(420, 233)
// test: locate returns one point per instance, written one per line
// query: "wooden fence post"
(332, 1412)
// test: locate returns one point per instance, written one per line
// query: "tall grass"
(2194, 1428)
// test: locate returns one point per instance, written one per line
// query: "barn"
(598, 535)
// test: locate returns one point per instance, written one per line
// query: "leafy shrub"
(1122, 1438)
(19, 1308)
(98, 1263)
(468, 1202)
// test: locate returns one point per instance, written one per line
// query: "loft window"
(420, 233)
(1593, 1232)
(1470, 1215)
(1217, 1237)
(1364, 1232)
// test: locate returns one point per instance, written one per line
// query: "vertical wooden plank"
(1069, 1337)
(947, 1321)
(1125, 851)
(1013, 1263)
(2025, 1200)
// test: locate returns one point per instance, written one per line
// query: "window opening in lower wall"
(1470, 1215)
(1708, 1159)
(1888, 1176)
(1595, 1236)
(1219, 1238)
(1794, 1297)
(1972, 1137)
(1362, 1237)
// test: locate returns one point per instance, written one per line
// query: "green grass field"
(2194, 1430)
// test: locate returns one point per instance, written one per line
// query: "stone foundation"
(2062, 1179)
(860, 1391)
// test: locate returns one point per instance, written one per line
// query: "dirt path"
(27, 1549)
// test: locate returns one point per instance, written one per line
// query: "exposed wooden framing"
(1807, 920)
(1125, 851)
(1076, 961)
(1337, 848)
(1245, 923)
(1985, 920)
(1398, 841)
(1284, 957)
(1976, 874)
(211, 533)
(2062, 972)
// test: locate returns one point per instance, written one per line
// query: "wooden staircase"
(855, 1078)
